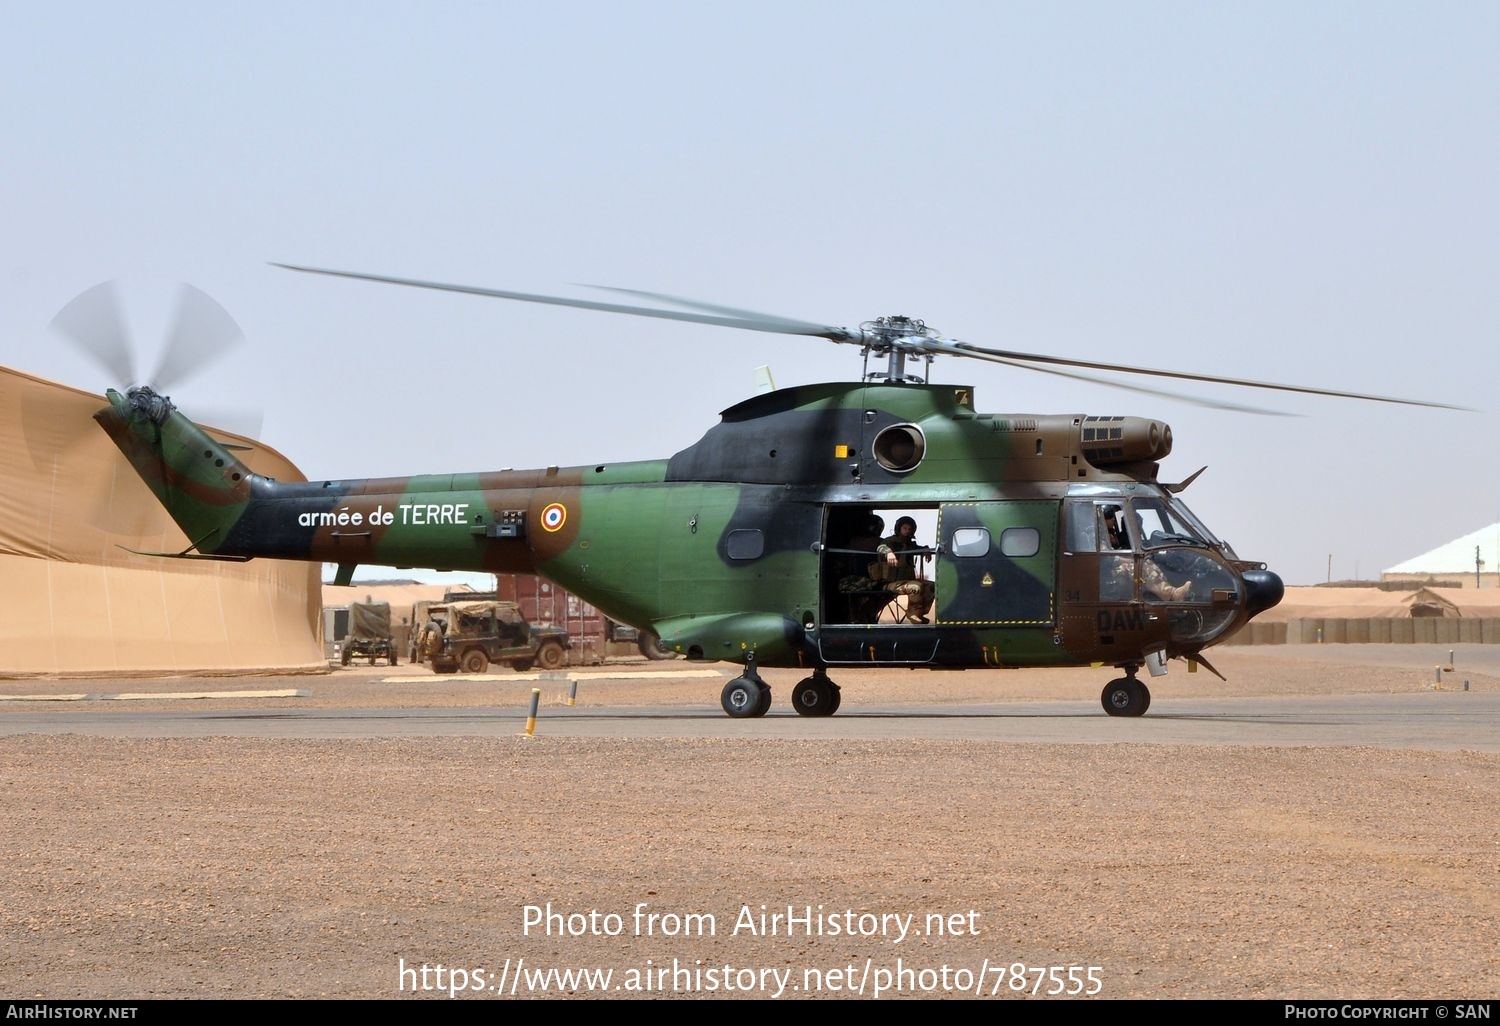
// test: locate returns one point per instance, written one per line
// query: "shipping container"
(595, 636)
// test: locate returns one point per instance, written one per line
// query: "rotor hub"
(145, 401)
(896, 337)
(886, 333)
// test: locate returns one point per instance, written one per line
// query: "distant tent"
(1377, 603)
(1454, 560)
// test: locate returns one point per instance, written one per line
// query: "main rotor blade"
(965, 348)
(773, 322)
(749, 320)
(93, 321)
(201, 332)
(775, 326)
(1216, 404)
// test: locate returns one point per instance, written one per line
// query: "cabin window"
(746, 544)
(971, 541)
(1020, 541)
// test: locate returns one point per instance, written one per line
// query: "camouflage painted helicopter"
(1055, 544)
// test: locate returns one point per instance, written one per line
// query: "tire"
(551, 656)
(393, 656)
(815, 696)
(1124, 696)
(475, 661)
(741, 698)
(345, 657)
(444, 668)
(764, 706)
(651, 647)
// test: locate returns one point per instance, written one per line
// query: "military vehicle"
(369, 634)
(470, 635)
(595, 637)
(1055, 543)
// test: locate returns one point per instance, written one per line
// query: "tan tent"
(1377, 603)
(73, 601)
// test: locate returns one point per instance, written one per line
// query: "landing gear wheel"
(1125, 696)
(651, 647)
(475, 661)
(815, 696)
(743, 698)
(550, 656)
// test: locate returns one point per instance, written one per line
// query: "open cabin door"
(999, 564)
(869, 613)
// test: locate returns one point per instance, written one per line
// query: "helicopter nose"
(1263, 589)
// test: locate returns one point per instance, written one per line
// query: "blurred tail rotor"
(95, 324)
(200, 332)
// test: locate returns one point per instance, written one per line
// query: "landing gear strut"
(1126, 696)
(816, 695)
(747, 695)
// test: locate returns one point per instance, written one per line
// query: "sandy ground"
(232, 867)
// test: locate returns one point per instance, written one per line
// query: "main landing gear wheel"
(1125, 696)
(816, 696)
(743, 698)
(651, 647)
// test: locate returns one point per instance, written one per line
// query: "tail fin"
(202, 485)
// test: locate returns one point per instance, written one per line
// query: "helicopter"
(1054, 541)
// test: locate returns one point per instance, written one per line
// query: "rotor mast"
(895, 337)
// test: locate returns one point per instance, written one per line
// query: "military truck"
(369, 633)
(472, 635)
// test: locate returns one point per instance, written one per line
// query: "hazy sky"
(1300, 192)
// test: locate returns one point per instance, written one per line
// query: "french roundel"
(554, 516)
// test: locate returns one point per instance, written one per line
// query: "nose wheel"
(1126, 696)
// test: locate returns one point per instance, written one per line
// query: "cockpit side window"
(1097, 527)
(1082, 528)
(1113, 536)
